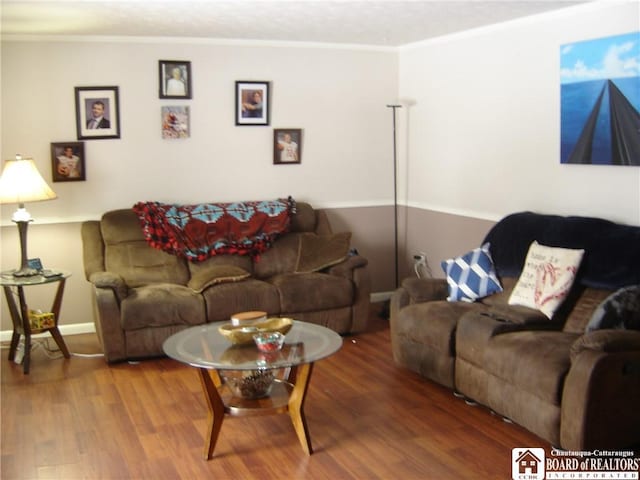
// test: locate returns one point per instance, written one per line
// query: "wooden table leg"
(296, 405)
(210, 381)
(16, 318)
(55, 309)
(26, 328)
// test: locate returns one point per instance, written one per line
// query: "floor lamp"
(21, 183)
(393, 108)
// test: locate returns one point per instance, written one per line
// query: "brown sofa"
(575, 387)
(142, 295)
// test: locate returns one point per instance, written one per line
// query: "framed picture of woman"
(175, 79)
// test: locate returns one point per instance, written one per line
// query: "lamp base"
(26, 272)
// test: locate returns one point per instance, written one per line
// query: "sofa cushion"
(535, 361)
(216, 274)
(161, 305)
(547, 277)
(304, 292)
(471, 276)
(620, 310)
(225, 299)
(127, 254)
(317, 252)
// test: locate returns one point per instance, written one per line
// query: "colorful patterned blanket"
(197, 232)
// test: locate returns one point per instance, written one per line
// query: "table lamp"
(20, 183)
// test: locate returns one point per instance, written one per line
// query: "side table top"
(204, 347)
(8, 280)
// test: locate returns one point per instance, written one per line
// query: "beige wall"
(59, 246)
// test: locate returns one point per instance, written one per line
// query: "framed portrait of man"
(97, 113)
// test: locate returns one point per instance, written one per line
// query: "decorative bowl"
(241, 335)
(269, 342)
(249, 384)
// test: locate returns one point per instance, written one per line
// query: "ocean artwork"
(600, 101)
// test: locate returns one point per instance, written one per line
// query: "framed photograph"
(68, 162)
(175, 122)
(252, 103)
(287, 145)
(175, 79)
(97, 113)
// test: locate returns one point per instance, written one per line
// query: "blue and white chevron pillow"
(471, 276)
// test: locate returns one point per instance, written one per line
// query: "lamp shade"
(21, 182)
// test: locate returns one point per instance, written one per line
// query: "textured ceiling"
(365, 22)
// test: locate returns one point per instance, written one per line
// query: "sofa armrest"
(425, 289)
(601, 392)
(107, 318)
(417, 290)
(347, 266)
(355, 268)
(92, 247)
(112, 281)
(608, 341)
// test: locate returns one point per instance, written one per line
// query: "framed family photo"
(175, 122)
(252, 103)
(97, 113)
(175, 79)
(68, 162)
(287, 146)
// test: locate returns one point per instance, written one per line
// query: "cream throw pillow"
(546, 278)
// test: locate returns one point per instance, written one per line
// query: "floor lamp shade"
(22, 183)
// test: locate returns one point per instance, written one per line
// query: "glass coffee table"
(221, 365)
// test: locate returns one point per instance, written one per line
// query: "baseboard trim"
(72, 329)
(80, 328)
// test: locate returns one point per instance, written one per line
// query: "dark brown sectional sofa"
(574, 386)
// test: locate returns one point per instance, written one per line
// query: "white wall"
(336, 95)
(484, 134)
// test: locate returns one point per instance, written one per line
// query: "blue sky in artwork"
(609, 57)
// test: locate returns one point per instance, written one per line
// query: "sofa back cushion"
(305, 218)
(127, 253)
(612, 251)
(280, 258)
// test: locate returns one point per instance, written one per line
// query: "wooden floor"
(368, 419)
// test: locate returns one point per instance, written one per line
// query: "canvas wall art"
(600, 101)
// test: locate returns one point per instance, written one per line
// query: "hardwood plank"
(368, 419)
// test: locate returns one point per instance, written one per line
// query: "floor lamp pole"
(395, 194)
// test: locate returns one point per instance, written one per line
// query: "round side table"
(20, 315)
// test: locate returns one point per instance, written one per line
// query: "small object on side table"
(269, 342)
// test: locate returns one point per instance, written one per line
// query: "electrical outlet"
(420, 257)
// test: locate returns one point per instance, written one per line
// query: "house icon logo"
(527, 463)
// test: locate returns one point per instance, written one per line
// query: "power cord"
(52, 353)
(421, 266)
